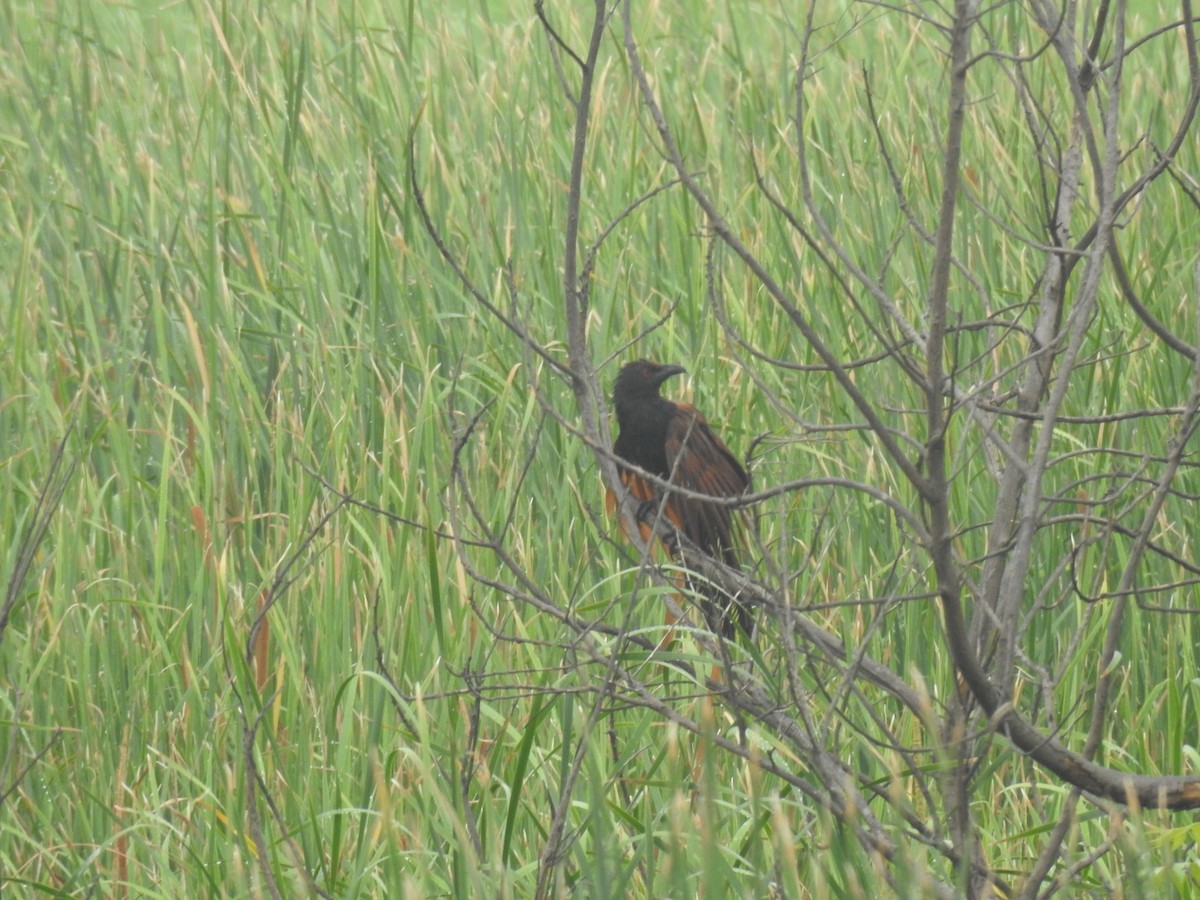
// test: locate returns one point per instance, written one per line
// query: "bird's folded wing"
(700, 462)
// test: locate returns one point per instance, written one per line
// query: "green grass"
(213, 272)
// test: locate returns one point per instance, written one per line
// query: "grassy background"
(211, 264)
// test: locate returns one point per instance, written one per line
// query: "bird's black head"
(641, 380)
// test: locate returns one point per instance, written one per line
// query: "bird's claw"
(647, 511)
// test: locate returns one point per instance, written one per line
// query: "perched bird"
(673, 441)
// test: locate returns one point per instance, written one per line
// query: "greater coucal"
(674, 441)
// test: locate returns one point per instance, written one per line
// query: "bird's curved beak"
(670, 370)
